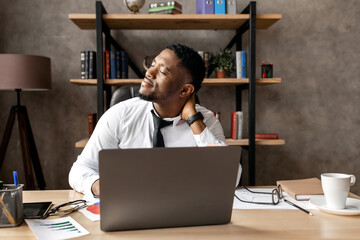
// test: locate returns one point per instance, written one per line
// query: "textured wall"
(314, 49)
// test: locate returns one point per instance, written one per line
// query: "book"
(158, 9)
(87, 64)
(240, 64)
(207, 63)
(92, 64)
(92, 120)
(169, 11)
(266, 136)
(301, 189)
(168, 3)
(231, 7)
(237, 122)
(233, 125)
(240, 124)
(220, 7)
(204, 6)
(82, 64)
(107, 64)
(124, 65)
(113, 64)
(118, 65)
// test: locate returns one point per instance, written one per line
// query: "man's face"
(164, 79)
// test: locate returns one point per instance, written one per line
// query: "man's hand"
(189, 108)
(95, 188)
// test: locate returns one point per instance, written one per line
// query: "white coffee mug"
(336, 188)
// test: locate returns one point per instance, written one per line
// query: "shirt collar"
(176, 120)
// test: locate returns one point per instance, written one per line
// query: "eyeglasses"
(276, 195)
(66, 208)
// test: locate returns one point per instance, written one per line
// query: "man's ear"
(187, 90)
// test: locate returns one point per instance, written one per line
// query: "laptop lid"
(167, 187)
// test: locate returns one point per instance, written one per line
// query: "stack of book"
(115, 64)
(170, 7)
(266, 136)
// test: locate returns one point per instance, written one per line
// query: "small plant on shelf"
(223, 62)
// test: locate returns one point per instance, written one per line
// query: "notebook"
(301, 189)
(167, 187)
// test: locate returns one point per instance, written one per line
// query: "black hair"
(191, 61)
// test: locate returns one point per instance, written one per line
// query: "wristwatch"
(194, 117)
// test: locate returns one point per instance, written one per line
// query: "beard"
(150, 97)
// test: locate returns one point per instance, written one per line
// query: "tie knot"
(159, 122)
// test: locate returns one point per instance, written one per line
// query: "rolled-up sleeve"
(213, 134)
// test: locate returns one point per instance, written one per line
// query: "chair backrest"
(124, 93)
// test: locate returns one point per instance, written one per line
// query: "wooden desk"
(245, 224)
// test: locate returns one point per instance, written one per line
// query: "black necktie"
(158, 140)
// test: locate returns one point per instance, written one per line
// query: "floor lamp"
(24, 73)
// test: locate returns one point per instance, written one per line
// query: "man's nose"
(151, 72)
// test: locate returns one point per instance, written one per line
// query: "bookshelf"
(247, 21)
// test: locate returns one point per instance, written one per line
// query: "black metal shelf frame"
(104, 91)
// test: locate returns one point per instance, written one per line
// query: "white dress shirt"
(129, 124)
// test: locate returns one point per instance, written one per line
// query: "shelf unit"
(248, 20)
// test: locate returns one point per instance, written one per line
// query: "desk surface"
(245, 224)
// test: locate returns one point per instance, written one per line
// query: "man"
(167, 92)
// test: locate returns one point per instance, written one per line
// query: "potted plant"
(223, 63)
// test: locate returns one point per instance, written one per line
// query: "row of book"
(215, 6)
(170, 7)
(115, 64)
(237, 123)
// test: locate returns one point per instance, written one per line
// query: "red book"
(266, 136)
(92, 119)
(234, 125)
(107, 63)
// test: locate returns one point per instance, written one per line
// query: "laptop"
(167, 187)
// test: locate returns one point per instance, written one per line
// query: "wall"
(314, 49)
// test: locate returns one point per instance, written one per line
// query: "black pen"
(294, 205)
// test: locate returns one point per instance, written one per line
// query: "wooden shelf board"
(176, 21)
(245, 142)
(239, 142)
(206, 82)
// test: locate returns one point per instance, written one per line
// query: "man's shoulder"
(135, 102)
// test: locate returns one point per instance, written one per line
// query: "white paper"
(254, 197)
(92, 211)
(53, 229)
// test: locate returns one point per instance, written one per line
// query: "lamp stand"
(28, 148)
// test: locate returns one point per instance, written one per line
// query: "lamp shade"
(25, 72)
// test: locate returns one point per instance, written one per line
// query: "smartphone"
(36, 209)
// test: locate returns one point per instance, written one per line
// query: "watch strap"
(194, 118)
